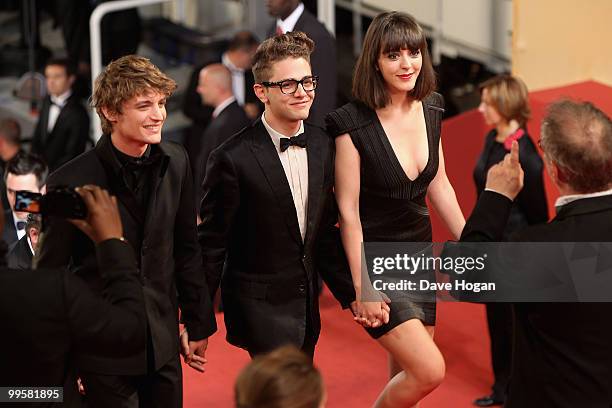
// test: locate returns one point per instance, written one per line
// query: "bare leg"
(394, 367)
(422, 365)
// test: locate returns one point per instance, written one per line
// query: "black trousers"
(157, 389)
(308, 348)
(500, 319)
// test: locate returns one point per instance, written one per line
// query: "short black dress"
(392, 207)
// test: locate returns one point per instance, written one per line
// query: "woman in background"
(504, 105)
(388, 159)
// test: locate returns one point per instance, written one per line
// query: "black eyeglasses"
(290, 86)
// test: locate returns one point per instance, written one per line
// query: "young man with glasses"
(268, 211)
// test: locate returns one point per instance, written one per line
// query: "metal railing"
(96, 40)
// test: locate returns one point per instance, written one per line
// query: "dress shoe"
(489, 401)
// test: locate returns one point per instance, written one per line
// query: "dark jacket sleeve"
(115, 325)
(75, 138)
(220, 202)
(532, 199)
(196, 306)
(330, 259)
(488, 220)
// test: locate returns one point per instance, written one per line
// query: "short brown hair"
(294, 44)
(577, 137)
(509, 96)
(123, 79)
(243, 40)
(283, 378)
(10, 131)
(391, 31)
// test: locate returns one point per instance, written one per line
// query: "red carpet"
(353, 365)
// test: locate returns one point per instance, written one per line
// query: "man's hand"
(194, 352)
(103, 220)
(371, 314)
(506, 177)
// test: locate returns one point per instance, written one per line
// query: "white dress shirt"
(289, 23)
(31, 247)
(20, 232)
(295, 164)
(238, 81)
(57, 103)
(563, 200)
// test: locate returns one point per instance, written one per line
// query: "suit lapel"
(62, 115)
(157, 173)
(265, 152)
(45, 119)
(315, 182)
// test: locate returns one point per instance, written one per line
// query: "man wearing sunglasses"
(268, 211)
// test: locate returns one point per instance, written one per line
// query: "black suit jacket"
(20, 254)
(9, 233)
(323, 62)
(53, 315)
(230, 121)
(562, 351)
(252, 245)
(201, 114)
(68, 137)
(163, 234)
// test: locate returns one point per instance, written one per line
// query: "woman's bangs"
(402, 37)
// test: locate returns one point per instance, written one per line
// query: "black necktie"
(20, 225)
(299, 141)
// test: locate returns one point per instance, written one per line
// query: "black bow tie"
(20, 225)
(138, 163)
(299, 141)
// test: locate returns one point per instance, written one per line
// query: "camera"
(61, 202)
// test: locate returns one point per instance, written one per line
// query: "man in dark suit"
(62, 130)
(268, 212)
(52, 313)
(20, 254)
(562, 351)
(153, 184)
(292, 16)
(215, 88)
(26, 172)
(238, 59)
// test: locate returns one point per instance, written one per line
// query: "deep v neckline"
(391, 152)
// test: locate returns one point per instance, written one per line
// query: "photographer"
(51, 313)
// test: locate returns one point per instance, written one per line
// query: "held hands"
(103, 220)
(373, 313)
(193, 352)
(506, 177)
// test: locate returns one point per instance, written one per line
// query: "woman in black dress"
(505, 106)
(388, 159)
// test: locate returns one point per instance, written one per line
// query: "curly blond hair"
(123, 79)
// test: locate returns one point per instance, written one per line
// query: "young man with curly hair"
(153, 184)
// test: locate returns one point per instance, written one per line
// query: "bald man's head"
(215, 84)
